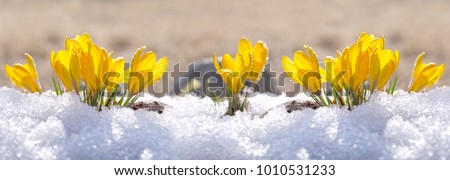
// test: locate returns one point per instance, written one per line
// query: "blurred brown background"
(186, 31)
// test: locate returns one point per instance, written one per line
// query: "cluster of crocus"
(354, 74)
(248, 64)
(91, 72)
(365, 62)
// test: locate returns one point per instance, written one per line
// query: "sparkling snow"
(404, 126)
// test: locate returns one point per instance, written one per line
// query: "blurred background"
(187, 31)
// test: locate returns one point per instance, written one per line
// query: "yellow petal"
(419, 83)
(260, 56)
(216, 64)
(75, 71)
(239, 76)
(20, 70)
(136, 59)
(84, 41)
(88, 71)
(228, 63)
(437, 75)
(290, 69)
(115, 73)
(12, 76)
(377, 43)
(67, 67)
(30, 84)
(244, 47)
(301, 60)
(32, 66)
(314, 62)
(147, 61)
(417, 65)
(159, 69)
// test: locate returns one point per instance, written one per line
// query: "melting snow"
(403, 126)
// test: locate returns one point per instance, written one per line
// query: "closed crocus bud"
(25, 75)
(424, 75)
(382, 66)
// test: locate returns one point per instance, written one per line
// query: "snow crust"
(403, 126)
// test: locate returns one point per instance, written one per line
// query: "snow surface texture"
(402, 126)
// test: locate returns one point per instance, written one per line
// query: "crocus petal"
(260, 52)
(228, 63)
(417, 65)
(12, 76)
(159, 69)
(136, 59)
(290, 69)
(244, 47)
(216, 64)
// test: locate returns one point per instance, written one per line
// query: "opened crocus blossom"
(232, 71)
(247, 64)
(25, 75)
(382, 66)
(424, 75)
(356, 60)
(145, 70)
(304, 70)
(256, 61)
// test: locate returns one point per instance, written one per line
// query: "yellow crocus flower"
(67, 67)
(382, 66)
(233, 72)
(304, 70)
(355, 64)
(25, 75)
(254, 64)
(424, 75)
(145, 70)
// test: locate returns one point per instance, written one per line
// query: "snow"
(403, 126)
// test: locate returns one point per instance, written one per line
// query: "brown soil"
(296, 105)
(152, 106)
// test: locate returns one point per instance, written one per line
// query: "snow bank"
(403, 126)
